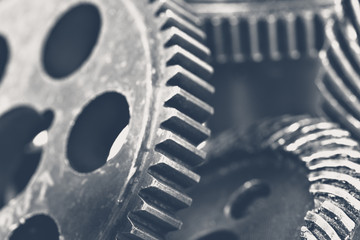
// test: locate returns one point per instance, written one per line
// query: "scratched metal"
(71, 198)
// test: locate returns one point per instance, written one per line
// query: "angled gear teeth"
(174, 171)
(339, 84)
(188, 104)
(326, 229)
(333, 175)
(184, 126)
(176, 148)
(178, 8)
(174, 36)
(184, 79)
(181, 124)
(170, 19)
(155, 218)
(176, 55)
(158, 192)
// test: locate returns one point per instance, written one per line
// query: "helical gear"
(332, 158)
(339, 81)
(293, 146)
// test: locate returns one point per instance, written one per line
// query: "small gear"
(339, 81)
(152, 53)
(262, 189)
(243, 30)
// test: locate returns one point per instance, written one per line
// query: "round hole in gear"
(222, 234)
(71, 40)
(99, 128)
(36, 228)
(23, 134)
(4, 56)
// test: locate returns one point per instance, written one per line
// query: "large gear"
(280, 154)
(243, 30)
(339, 81)
(150, 52)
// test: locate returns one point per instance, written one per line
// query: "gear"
(262, 188)
(338, 82)
(332, 158)
(244, 30)
(150, 52)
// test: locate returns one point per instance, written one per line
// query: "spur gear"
(339, 81)
(294, 168)
(243, 30)
(149, 55)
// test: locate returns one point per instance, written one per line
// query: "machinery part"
(333, 160)
(139, 89)
(339, 82)
(262, 191)
(243, 30)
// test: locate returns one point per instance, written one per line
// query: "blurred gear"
(262, 191)
(243, 30)
(150, 52)
(339, 82)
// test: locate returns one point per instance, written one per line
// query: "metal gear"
(259, 187)
(152, 53)
(339, 81)
(243, 30)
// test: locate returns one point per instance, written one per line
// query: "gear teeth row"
(237, 35)
(182, 129)
(333, 161)
(339, 83)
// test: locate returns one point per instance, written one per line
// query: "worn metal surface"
(151, 53)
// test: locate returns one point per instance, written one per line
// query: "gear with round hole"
(144, 76)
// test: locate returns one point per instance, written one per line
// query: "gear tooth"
(179, 56)
(326, 175)
(155, 218)
(306, 234)
(177, 149)
(178, 8)
(237, 54)
(254, 38)
(174, 36)
(313, 218)
(187, 128)
(282, 136)
(338, 163)
(138, 231)
(316, 140)
(336, 112)
(179, 76)
(188, 104)
(340, 215)
(349, 153)
(171, 19)
(330, 190)
(290, 26)
(161, 194)
(310, 36)
(175, 172)
(273, 38)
